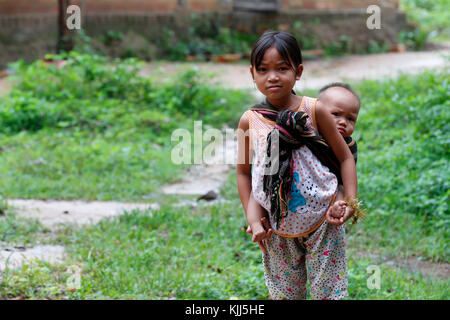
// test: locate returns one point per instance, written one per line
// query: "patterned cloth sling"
(290, 133)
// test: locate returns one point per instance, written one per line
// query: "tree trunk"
(65, 42)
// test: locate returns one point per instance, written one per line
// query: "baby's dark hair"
(340, 85)
(284, 42)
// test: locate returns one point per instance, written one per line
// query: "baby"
(344, 105)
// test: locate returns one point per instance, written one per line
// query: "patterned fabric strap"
(290, 133)
(316, 144)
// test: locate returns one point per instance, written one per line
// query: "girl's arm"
(253, 211)
(255, 215)
(327, 129)
(340, 193)
(244, 182)
(243, 166)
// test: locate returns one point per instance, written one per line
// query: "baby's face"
(344, 107)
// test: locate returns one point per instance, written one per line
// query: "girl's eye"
(283, 68)
(351, 119)
(261, 69)
(335, 114)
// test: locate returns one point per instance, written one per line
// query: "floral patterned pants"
(318, 257)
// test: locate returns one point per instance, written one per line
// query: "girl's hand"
(260, 237)
(258, 232)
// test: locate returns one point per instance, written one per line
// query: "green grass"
(184, 253)
(177, 252)
(20, 231)
(403, 162)
(35, 280)
(395, 284)
(172, 252)
(79, 165)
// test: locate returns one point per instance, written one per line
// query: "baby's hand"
(337, 210)
(335, 214)
(349, 212)
(340, 214)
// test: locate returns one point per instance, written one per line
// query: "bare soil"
(52, 213)
(13, 257)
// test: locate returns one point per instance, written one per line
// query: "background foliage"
(431, 19)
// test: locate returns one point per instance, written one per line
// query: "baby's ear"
(251, 72)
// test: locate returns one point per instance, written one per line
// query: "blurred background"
(92, 203)
(203, 29)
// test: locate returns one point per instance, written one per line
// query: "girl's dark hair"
(284, 42)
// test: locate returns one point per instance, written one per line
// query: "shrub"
(92, 92)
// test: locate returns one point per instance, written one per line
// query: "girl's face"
(274, 77)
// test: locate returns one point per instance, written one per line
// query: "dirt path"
(52, 213)
(13, 257)
(318, 73)
(203, 178)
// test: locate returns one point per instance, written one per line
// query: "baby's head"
(344, 105)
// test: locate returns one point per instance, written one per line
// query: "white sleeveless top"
(313, 185)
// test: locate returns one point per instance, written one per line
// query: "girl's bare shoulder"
(244, 121)
(322, 115)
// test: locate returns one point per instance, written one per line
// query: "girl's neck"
(289, 102)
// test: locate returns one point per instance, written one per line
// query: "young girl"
(304, 245)
(343, 104)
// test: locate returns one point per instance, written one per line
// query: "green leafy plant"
(306, 39)
(111, 37)
(415, 39)
(337, 48)
(431, 19)
(377, 47)
(3, 205)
